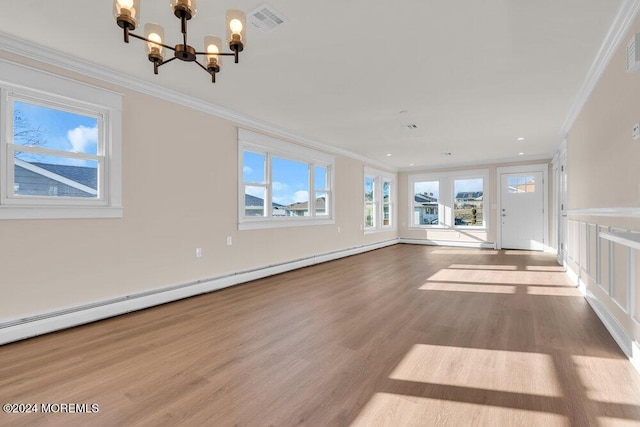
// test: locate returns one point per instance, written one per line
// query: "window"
(468, 205)
(426, 208)
(369, 202)
(283, 184)
(379, 200)
(522, 184)
(448, 199)
(60, 155)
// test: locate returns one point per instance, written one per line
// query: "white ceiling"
(472, 75)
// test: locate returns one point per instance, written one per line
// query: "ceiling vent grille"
(265, 18)
(409, 127)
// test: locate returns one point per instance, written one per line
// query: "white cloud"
(247, 170)
(301, 196)
(279, 186)
(81, 137)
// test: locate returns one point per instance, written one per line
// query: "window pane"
(253, 167)
(320, 174)
(468, 201)
(425, 202)
(54, 176)
(369, 215)
(386, 191)
(386, 216)
(369, 188)
(522, 184)
(254, 201)
(37, 126)
(321, 203)
(290, 185)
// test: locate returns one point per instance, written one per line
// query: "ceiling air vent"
(409, 127)
(266, 18)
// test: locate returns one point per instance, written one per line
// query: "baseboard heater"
(39, 324)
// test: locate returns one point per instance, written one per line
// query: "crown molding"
(621, 24)
(30, 50)
(481, 163)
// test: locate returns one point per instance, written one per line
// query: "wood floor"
(406, 335)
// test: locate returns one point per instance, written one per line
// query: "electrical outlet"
(339, 229)
(635, 132)
(198, 252)
(229, 241)
(361, 227)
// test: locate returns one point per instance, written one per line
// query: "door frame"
(544, 168)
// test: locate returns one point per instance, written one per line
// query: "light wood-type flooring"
(401, 336)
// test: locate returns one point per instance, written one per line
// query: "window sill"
(449, 228)
(59, 212)
(279, 223)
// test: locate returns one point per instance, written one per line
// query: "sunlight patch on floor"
(496, 370)
(472, 287)
(387, 409)
(495, 277)
(553, 291)
(547, 268)
(483, 267)
(458, 251)
(608, 380)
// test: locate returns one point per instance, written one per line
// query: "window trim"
(379, 177)
(28, 84)
(446, 198)
(272, 147)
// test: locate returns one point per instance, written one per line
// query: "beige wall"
(179, 193)
(603, 164)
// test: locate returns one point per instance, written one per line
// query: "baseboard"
(454, 243)
(53, 321)
(619, 334)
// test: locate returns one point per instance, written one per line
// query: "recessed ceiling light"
(410, 164)
(388, 154)
(521, 139)
(520, 154)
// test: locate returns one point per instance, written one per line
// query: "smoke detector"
(266, 18)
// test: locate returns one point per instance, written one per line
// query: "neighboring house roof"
(301, 206)
(425, 198)
(470, 195)
(250, 200)
(82, 178)
(81, 174)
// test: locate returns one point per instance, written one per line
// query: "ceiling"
(472, 76)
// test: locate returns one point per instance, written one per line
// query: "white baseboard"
(619, 334)
(57, 320)
(454, 243)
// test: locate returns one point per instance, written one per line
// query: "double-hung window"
(448, 199)
(379, 200)
(60, 147)
(283, 184)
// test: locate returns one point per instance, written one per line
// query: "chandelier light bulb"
(155, 47)
(236, 26)
(125, 5)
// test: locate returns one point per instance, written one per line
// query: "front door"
(522, 211)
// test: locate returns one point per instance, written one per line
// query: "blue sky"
(432, 187)
(290, 178)
(59, 130)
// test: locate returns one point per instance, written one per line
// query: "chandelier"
(127, 13)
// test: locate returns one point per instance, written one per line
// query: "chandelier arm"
(151, 41)
(217, 54)
(213, 75)
(167, 61)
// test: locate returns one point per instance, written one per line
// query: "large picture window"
(448, 200)
(60, 153)
(283, 184)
